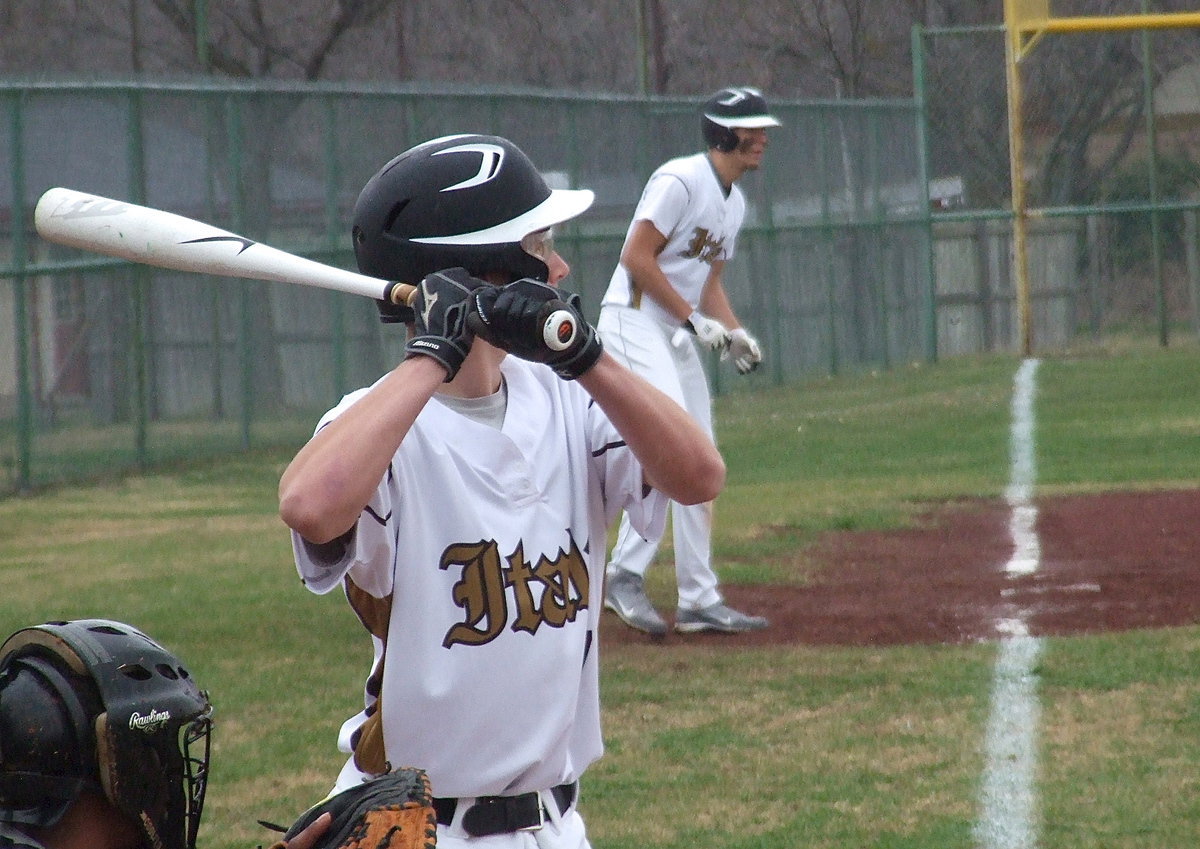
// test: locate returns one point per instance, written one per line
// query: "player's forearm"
(648, 277)
(677, 456)
(714, 302)
(330, 480)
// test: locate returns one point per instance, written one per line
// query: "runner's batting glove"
(743, 349)
(535, 321)
(709, 331)
(440, 313)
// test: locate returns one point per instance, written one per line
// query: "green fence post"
(203, 56)
(922, 121)
(775, 322)
(212, 127)
(21, 313)
(140, 291)
(877, 227)
(572, 230)
(24, 389)
(826, 248)
(1152, 165)
(233, 133)
(332, 230)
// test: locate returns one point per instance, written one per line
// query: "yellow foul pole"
(1017, 14)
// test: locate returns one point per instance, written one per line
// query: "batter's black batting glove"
(390, 313)
(440, 314)
(535, 321)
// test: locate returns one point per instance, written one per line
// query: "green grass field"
(773, 748)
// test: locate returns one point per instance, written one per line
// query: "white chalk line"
(1008, 796)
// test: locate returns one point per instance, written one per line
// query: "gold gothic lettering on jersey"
(550, 592)
(703, 246)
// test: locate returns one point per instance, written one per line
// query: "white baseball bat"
(166, 240)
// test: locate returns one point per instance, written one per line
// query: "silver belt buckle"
(541, 809)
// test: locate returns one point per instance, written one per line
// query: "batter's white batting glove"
(709, 331)
(744, 350)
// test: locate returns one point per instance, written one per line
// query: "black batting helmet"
(730, 108)
(464, 200)
(97, 705)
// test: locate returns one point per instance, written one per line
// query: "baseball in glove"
(392, 811)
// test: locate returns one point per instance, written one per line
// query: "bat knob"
(559, 330)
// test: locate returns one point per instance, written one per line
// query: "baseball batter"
(462, 501)
(665, 296)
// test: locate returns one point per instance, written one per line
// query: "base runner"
(666, 295)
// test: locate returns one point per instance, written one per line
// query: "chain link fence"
(1111, 167)
(106, 366)
(877, 233)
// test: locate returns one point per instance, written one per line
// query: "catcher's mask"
(730, 108)
(97, 705)
(464, 200)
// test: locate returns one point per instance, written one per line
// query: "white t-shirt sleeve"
(372, 541)
(365, 553)
(623, 479)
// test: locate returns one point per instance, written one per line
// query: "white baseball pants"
(671, 362)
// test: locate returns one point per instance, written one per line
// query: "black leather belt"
(504, 814)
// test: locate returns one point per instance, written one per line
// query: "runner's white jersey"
(493, 543)
(685, 202)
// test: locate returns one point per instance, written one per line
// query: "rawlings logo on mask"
(151, 722)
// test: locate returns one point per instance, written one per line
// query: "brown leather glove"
(392, 811)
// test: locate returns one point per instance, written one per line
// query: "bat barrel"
(166, 240)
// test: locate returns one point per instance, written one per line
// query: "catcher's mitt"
(393, 811)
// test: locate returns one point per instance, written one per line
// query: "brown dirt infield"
(1115, 561)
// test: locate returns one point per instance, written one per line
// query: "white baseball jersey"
(492, 546)
(686, 202)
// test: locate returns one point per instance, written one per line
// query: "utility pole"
(200, 15)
